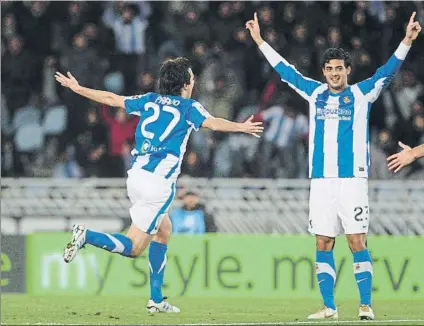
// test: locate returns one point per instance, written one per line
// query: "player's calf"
(115, 243)
(157, 259)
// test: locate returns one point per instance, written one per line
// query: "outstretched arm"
(248, 127)
(103, 97)
(404, 158)
(288, 73)
(198, 117)
(373, 86)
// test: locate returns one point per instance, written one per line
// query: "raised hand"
(254, 29)
(399, 160)
(69, 81)
(413, 28)
(252, 128)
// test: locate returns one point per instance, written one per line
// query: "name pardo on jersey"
(164, 100)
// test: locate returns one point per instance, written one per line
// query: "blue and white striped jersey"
(163, 131)
(338, 122)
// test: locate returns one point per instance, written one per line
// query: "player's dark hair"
(173, 74)
(336, 53)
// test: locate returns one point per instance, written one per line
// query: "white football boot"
(365, 312)
(163, 306)
(325, 313)
(77, 242)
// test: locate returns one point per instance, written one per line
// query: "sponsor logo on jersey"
(147, 147)
(336, 113)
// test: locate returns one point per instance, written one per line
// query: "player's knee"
(164, 232)
(324, 243)
(163, 235)
(356, 243)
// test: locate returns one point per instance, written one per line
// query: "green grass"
(103, 310)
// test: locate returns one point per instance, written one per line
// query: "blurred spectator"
(65, 29)
(146, 83)
(234, 156)
(300, 51)
(219, 88)
(100, 39)
(285, 128)
(49, 84)
(121, 129)
(410, 91)
(35, 22)
(380, 149)
(96, 131)
(189, 26)
(192, 165)
(334, 37)
(192, 217)
(17, 74)
(129, 27)
(82, 61)
(9, 26)
(67, 166)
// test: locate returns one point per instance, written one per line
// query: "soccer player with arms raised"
(166, 121)
(339, 158)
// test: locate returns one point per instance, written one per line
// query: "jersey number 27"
(156, 113)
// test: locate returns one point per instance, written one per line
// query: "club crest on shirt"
(346, 99)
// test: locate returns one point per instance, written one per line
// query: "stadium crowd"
(119, 46)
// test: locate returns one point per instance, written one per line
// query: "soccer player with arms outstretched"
(404, 158)
(339, 158)
(166, 121)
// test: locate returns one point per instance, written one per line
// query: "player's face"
(336, 74)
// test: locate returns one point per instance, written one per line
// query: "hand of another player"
(69, 81)
(252, 128)
(413, 28)
(254, 29)
(399, 160)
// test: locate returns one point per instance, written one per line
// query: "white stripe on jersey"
(331, 126)
(360, 127)
(312, 126)
(183, 148)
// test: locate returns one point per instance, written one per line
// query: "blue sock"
(362, 267)
(157, 263)
(326, 275)
(116, 242)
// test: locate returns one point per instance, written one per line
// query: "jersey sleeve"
(302, 85)
(196, 115)
(384, 75)
(134, 104)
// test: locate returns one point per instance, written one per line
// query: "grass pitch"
(130, 310)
